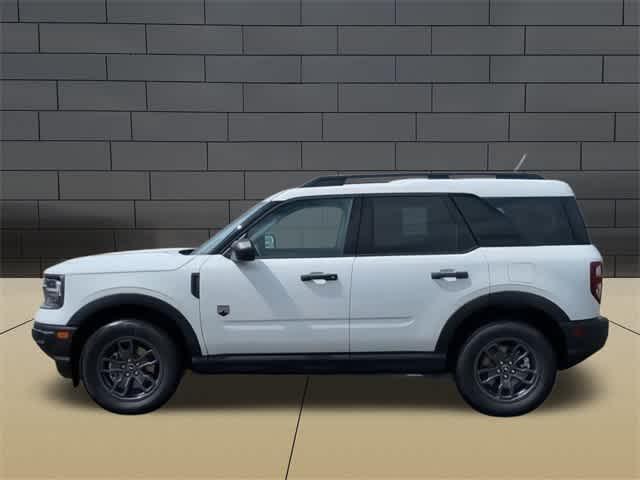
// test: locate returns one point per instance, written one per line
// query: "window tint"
(540, 221)
(490, 226)
(411, 225)
(306, 228)
(515, 221)
(576, 221)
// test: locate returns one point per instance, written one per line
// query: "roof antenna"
(524, 157)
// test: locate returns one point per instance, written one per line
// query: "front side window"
(412, 225)
(303, 229)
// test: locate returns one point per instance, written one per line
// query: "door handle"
(329, 277)
(440, 275)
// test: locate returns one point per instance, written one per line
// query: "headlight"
(53, 289)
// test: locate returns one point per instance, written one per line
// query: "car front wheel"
(130, 366)
(505, 369)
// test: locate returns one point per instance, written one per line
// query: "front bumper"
(55, 341)
(584, 338)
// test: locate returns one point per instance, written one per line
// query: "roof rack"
(338, 180)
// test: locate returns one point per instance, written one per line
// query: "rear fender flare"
(500, 301)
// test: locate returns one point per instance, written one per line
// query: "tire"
(120, 376)
(485, 384)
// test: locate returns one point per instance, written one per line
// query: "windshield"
(215, 241)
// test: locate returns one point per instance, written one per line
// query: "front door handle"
(329, 277)
(445, 274)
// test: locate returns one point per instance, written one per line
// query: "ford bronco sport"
(491, 278)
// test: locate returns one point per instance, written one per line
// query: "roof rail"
(338, 180)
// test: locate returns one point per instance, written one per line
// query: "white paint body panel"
(165, 274)
(271, 309)
(154, 260)
(378, 303)
(397, 306)
(557, 273)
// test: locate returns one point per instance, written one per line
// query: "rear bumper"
(55, 344)
(584, 338)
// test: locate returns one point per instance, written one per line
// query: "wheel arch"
(144, 307)
(530, 308)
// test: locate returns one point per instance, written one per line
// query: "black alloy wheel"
(130, 366)
(506, 368)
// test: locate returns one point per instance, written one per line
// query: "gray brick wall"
(145, 123)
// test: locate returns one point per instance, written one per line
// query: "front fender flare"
(143, 301)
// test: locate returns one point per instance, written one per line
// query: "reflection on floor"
(350, 426)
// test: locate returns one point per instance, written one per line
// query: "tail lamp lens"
(596, 280)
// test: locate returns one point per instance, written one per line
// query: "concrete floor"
(319, 427)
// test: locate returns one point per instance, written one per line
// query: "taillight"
(596, 280)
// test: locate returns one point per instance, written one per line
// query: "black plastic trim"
(145, 301)
(505, 300)
(339, 180)
(329, 277)
(440, 275)
(353, 229)
(195, 284)
(322, 363)
(59, 350)
(584, 338)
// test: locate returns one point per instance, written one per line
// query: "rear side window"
(524, 221)
(412, 225)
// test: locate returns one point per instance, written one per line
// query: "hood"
(154, 260)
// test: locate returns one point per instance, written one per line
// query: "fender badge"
(223, 310)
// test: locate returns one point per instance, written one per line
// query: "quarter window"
(539, 221)
(412, 225)
(306, 228)
(523, 221)
(489, 225)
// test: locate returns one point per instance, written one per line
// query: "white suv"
(493, 279)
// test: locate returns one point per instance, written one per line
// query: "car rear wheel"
(130, 367)
(505, 369)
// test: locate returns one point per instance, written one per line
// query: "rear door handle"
(440, 275)
(329, 277)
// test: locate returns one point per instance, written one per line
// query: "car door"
(416, 265)
(294, 297)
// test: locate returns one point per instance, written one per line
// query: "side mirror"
(243, 251)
